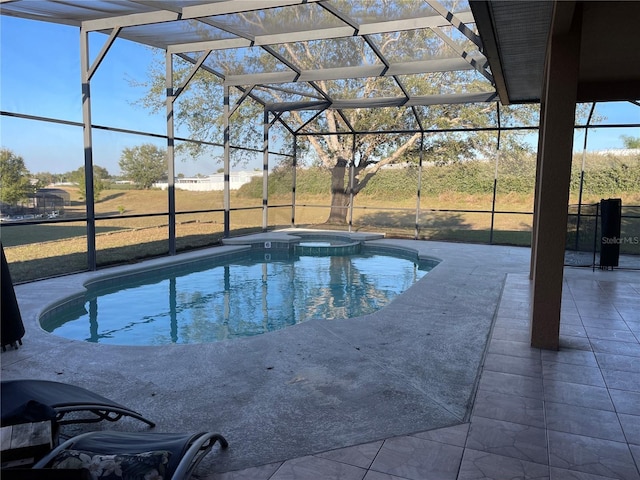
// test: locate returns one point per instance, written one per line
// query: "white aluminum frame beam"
(133, 20)
(192, 12)
(416, 101)
(366, 71)
(391, 26)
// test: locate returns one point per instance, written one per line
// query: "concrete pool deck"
(322, 385)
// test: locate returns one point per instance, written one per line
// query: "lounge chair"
(171, 456)
(62, 398)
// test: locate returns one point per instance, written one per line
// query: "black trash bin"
(12, 328)
(611, 214)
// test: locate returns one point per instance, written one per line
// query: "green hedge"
(603, 176)
(312, 181)
(603, 180)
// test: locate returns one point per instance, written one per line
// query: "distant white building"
(619, 152)
(211, 182)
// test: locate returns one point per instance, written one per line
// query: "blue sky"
(40, 75)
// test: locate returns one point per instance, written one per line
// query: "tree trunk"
(339, 194)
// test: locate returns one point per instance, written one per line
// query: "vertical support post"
(416, 234)
(227, 164)
(171, 192)
(536, 189)
(579, 213)
(294, 180)
(584, 156)
(265, 170)
(493, 201)
(88, 149)
(352, 177)
(495, 177)
(559, 100)
(595, 237)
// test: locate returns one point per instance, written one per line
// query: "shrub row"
(601, 177)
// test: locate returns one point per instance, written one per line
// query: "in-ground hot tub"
(326, 245)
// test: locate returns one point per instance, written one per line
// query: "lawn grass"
(55, 248)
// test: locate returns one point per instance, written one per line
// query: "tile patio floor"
(567, 415)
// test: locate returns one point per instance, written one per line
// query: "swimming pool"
(245, 294)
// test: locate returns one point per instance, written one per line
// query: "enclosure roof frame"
(188, 28)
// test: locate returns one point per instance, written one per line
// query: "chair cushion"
(138, 466)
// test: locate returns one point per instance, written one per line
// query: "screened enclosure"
(379, 116)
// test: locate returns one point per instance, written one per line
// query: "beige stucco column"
(554, 174)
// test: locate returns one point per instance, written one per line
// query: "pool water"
(255, 293)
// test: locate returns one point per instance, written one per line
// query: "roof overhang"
(516, 34)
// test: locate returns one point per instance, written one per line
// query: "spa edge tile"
(487, 466)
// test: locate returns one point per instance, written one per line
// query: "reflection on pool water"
(248, 294)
